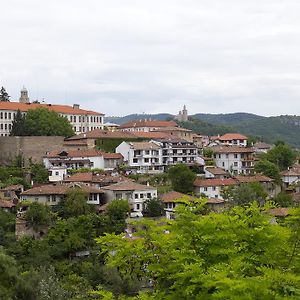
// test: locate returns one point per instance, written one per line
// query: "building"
(182, 115)
(261, 147)
(234, 159)
(146, 125)
(80, 119)
(290, 176)
(135, 193)
(233, 139)
(145, 157)
(177, 132)
(52, 194)
(212, 188)
(215, 172)
(111, 126)
(76, 159)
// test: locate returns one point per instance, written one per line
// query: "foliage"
(7, 227)
(75, 204)
(182, 178)
(153, 208)
(18, 124)
(110, 144)
(38, 214)
(234, 255)
(4, 97)
(245, 193)
(39, 173)
(207, 152)
(44, 122)
(283, 200)
(117, 212)
(268, 168)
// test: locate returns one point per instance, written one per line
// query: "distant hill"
(268, 129)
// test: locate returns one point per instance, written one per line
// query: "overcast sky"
(125, 56)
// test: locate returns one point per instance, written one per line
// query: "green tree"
(283, 200)
(153, 208)
(39, 173)
(239, 254)
(38, 214)
(117, 212)
(44, 122)
(268, 168)
(4, 97)
(182, 178)
(75, 204)
(18, 124)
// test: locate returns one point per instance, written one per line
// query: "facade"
(146, 157)
(135, 193)
(233, 139)
(146, 125)
(76, 159)
(80, 119)
(291, 176)
(235, 160)
(212, 188)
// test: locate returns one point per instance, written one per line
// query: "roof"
(255, 178)
(172, 128)
(60, 189)
(82, 153)
(232, 136)
(262, 145)
(214, 182)
(151, 134)
(214, 170)
(291, 172)
(279, 212)
(148, 123)
(214, 201)
(232, 149)
(128, 186)
(6, 204)
(174, 196)
(144, 145)
(63, 109)
(102, 134)
(14, 187)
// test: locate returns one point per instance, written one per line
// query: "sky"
(136, 56)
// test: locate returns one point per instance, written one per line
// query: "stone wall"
(30, 147)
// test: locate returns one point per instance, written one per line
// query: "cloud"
(134, 56)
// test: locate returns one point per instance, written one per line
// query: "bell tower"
(24, 96)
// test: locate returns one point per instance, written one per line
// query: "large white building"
(80, 119)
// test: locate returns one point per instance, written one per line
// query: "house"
(52, 194)
(290, 176)
(261, 147)
(7, 205)
(234, 159)
(80, 119)
(135, 193)
(212, 188)
(215, 172)
(173, 199)
(111, 126)
(146, 157)
(75, 159)
(233, 139)
(146, 125)
(177, 132)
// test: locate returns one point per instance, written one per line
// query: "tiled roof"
(102, 134)
(279, 212)
(173, 196)
(63, 109)
(6, 204)
(172, 128)
(14, 187)
(261, 145)
(128, 186)
(151, 134)
(144, 145)
(148, 123)
(215, 201)
(255, 178)
(232, 136)
(232, 149)
(215, 170)
(83, 153)
(291, 172)
(80, 177)
(214, 182)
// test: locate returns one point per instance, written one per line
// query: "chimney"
(76, 106)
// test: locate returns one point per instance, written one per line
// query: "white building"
(135, 193)
(76, 159)
(291, 176)
(212, 188)
(146, 125)
(233, 139)
(146, 157)
(235, 160)
(80, 119)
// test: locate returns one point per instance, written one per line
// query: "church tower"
(184, 114)
(24, 96)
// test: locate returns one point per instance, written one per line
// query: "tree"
(18, 124)
(268, 168)
(283, 200)
(44, 122)
(75, 204)
(153, 207)
(38, 214)
(39, 173)
(239, 254)
(4, 97)
(117, 212)
(182, 178)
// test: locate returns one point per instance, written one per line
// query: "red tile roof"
(279, 211)
(214, 182)
(232, 149)
(83, 153)
(151, 134)
(6, 204)
(174, 196)
(148, 123)
(215, 170)
(215, 201)
(255, 178)
(103, 134)
(290, 172)
(128, 186)
(232, 136)
(63, 109)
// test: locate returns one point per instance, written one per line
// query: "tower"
(24, 96)
(184, 114)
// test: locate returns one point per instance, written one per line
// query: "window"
(146, 160)
(71, 118)
(75, 128)
(147, 152)
(235, 163)
(141, 196)
(1, 126)
(136, 196)
(205, 189)
(53, 198)
(95, 197)
(223, 164)
(74, 118)
(213, 188)
(235, 156)
(1, 115)
(137, 206)
(135, 160)
(118, 196)
(5, 126)
(48, 198)
(148, 195)
(79, 119)
(5, 115)
(226, 155)
(56, 173)
(9, 116)
(9, 126)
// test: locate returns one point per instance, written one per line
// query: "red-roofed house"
(233, 139)
(146, 125)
